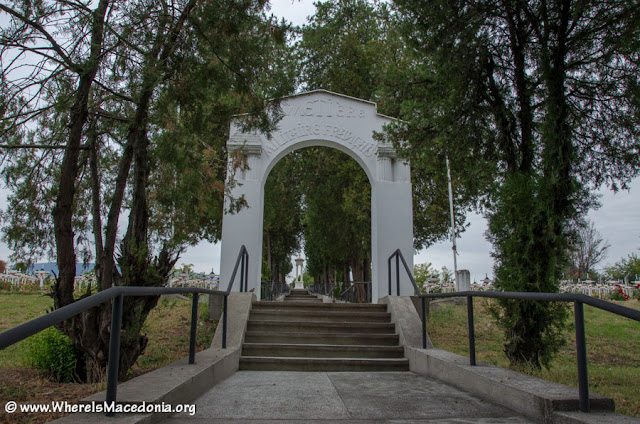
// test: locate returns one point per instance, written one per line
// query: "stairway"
(303, 334)
(298, 295)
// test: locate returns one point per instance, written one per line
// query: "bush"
(53, 352)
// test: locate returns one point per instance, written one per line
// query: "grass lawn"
(613, 349)
(167, 328)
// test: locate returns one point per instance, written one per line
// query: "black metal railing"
(349, 295)
(579, 300)
(325, 288)
(117, 294)
(271, 290)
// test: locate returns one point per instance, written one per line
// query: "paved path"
(320, 397)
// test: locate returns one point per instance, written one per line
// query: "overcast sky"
(618, 220)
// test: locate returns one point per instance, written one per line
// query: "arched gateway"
(322, 118)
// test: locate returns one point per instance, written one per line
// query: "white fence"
(16, 281)
(602, 290)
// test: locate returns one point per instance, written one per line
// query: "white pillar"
(299, 283)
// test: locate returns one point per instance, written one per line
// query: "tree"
(625, 269)
(537, 104)
(423, 273)
(588, 250)
(168, 77)
(345, 47)
(282, 216)
(337, 218)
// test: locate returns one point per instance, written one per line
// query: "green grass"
(167, 327)
(16, 309)
(613, 349)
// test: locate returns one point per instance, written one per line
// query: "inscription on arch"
(325, 130)
(324, 108)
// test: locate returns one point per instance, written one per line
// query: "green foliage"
(423, 273)
(527, 100)
(337, 219)
(628, 267)
(53, 352)
(616, 296)
(282, 228)
(345, 48)
(307, 279)
(529, 255)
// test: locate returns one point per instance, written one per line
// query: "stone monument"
(299, 283)
(320, 118)
(464, 280)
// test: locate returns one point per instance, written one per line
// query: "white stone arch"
(322, 118)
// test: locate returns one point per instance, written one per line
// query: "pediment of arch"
(320, 118)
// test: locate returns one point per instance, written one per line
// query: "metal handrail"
(578, 302)
(271, 290)
(325, 288)
(117, 293)
(349, 294)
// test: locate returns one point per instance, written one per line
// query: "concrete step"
(302, 300)
(321, 350)
(320, 338)
(292, 306)
(260, 363)
(321, 327)
(316, 316)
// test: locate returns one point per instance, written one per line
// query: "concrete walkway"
(358, 397)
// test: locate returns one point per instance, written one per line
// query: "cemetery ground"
(167, 328)
(613, 349)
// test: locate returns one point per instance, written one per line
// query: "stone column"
(299, 284)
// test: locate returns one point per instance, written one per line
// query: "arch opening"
(318, 199)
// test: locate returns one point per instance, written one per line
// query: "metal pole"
(246, 272)
(194, 326)
(114, 352)
(472, 333)
(453, 229)
(224, 321)
(242, 274)
(389, 268)
(424, 322)
(398, 275)
(581, 357)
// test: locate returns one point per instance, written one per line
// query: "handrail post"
(472, 333)
(389, 268)
(114, 353)
(242, 289)
(581, 357)
(194, 327)
(424, 322)
(397, 274)
(246, 272)
(224, 321)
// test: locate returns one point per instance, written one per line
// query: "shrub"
(53, 352)
(618, 296)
